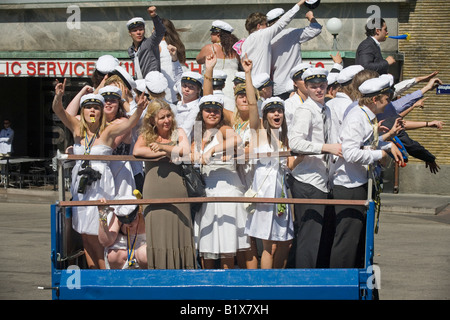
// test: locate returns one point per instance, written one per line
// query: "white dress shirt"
(290, 105)
(306, 136)
(287, 53)
(6, 139)
(357, 135)
(337, 106)
(186, 114)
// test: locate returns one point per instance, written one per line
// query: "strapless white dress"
(219, 227)
(85, 219)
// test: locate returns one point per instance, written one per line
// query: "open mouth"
(277, 120)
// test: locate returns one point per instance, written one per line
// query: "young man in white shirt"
(257, 45)
(286, 49)
(308, 137)
(188, 108)
(361, 148)
(300, 94)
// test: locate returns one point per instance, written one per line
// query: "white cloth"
(268, 182)
(337, 106)
(6, 139)
(85, 219)
(287, 53)
(186, 114)
(230, 67)
(306, 136)
(172, 70)
(357, 135)
(257, 44)
(219, 227)
(228, 102)
(123, 177)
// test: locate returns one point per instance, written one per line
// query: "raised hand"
(60, 88)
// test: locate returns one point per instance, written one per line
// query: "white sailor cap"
(262, 80)
(298, 70)
(332, 78)
(105, 64)
(192, 77)
(271, 103)
(346, 75)
(274, 13)
(140, 86)
(315, 75)
(135, 22)
(124, 212)
(111, 92)
(92, 98)
(125, 76)
(375, 86)
(211, 101)
(239, 77)
(219, 75)
(221, 25)
(156, 82)
(390, 77)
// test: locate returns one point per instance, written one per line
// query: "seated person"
(123, 236)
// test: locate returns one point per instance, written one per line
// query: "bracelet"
(207, 77)
(427, 124)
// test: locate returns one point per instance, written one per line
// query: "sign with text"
(85, 67)
(443, 89)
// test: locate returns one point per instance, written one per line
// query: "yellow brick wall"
(428, 50)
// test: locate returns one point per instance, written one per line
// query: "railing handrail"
(214, 199)
(67, 157)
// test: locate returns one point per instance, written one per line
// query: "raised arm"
(74, 105)
(254, 120)
(209, 68)
(70, 121)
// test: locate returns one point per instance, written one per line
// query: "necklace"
(240, 126)
(89, 142)
(130, 249)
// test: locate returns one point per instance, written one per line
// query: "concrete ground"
(411, 247)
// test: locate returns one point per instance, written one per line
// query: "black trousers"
(350, 229)
(309, 220)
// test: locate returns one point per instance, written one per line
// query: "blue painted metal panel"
(211, 284)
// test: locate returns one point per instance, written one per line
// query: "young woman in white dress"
(92, 136)
(270, 222)
(222, 40)
(219, 227)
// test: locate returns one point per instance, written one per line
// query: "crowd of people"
(256, 96)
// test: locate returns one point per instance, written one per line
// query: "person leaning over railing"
(168, 227)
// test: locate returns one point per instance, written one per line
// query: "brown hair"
(251, 24)
(172, 37)
(358, 79)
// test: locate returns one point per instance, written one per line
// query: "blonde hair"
(238, 88)
(148, 129)
(114, 79)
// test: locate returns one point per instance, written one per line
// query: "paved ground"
(411, 248)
